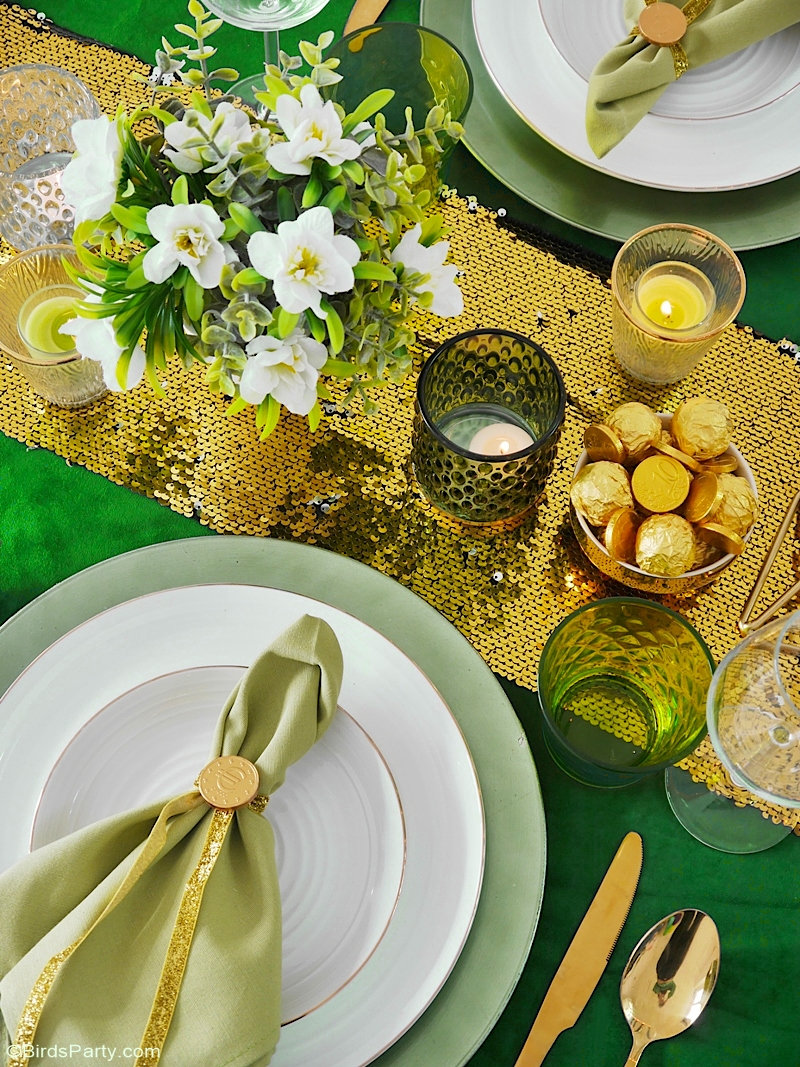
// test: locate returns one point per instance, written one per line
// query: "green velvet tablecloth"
(57, 519)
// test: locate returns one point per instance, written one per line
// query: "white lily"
(90, 179)
(199, 143)
(96, 339)
(438, 277)
(313, 130)
(187, 235)
(286, 369)
(305, 259)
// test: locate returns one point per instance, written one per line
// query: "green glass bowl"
(622, 688)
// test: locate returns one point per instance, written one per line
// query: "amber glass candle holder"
(675, 289)
(490, 406)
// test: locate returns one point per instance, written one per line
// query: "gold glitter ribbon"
(691, 10)
(177, 954)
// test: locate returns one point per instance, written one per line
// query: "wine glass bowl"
(753, 712)
(266, 14)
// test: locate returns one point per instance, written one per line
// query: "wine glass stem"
(272, 46)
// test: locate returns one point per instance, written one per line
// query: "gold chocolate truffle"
(737, 510)
(660, 483)
(702, 427)
(599, 489)
(637, 426)
(665, 545)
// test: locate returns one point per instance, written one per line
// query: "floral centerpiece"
(278, 251)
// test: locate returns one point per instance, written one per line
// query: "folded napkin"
(171, 908)
(628, 81)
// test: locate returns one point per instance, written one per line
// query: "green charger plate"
(547, 178)
(491, 962)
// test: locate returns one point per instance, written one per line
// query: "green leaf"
(187, 31)
(334, 199)
(236, 406)
(194, 299)
(287, 321)
(366, 109)
(377, 272)
(316, 325)
(353, 169)
(136, 279)
(196, 9)
(269, 411)
(225, 74)
(245, 218)
(334, 325)
(314, 417)
(180, 190)
(339, 368)
(286, 208)
(247, 279)
(312, 192)
(132, 218)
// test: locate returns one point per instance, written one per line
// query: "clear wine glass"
(753, 711)
(270, 17)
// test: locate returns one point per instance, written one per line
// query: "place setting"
(479, 609)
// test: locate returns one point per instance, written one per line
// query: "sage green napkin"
(628, 81)
(228, 1007)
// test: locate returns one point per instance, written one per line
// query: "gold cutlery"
(588, 953)
(364, 13)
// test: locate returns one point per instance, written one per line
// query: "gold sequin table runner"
(349, 487)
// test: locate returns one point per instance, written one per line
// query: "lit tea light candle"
(674, 296)
(41, 318)
(500, 439)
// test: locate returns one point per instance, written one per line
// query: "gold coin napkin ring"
(663, 25)
(227, 783)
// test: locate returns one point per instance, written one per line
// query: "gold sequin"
(180, 942)
(349, 487)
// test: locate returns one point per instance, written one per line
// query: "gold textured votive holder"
(65, 379)
(490, 406)
(702, 285)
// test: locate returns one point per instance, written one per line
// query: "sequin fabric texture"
(349, 487)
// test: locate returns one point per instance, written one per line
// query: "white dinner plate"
(725, 125)
(337, 819)
(100, 663)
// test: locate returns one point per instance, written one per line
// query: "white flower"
(438, 276)
(305, 259)
(286, 369)
(91, 178)
(198, 143)
(313, 130)
(95, 339)
(187, 236)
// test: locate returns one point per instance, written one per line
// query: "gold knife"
(364, 13)
(588, 953)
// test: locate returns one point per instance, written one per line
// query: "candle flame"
(503, 447)
(666, 309)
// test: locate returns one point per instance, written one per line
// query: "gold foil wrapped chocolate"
(736, 509)
(620, 535)
(599, 490)
(702, 427)
(665, 545)
(601, 442)
(637, 427)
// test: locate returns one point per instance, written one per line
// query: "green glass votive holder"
(622, 688)
(423, 68)
(490, 406)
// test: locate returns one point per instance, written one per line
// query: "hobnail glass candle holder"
(495, 383)
(39, 105)
(655, 351)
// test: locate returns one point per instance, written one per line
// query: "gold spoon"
(669, 977)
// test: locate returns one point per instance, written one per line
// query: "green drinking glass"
(423, 68)
(622, 688)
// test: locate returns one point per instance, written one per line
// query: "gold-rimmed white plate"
(722, 126)
(178, 630)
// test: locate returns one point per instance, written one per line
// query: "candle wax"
(40, 326)
(486, 429)
(500, 439)
(674, 296)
